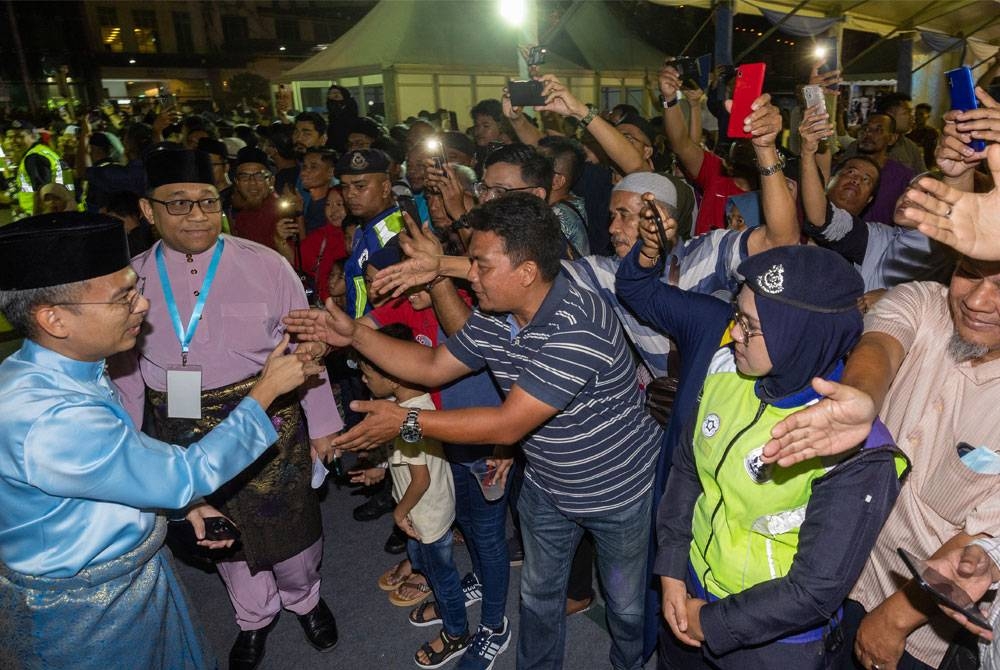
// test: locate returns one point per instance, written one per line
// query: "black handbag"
(963, 652)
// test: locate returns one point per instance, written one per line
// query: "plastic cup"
(488, 481)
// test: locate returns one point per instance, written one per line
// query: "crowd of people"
(736, 378)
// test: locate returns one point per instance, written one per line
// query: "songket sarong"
(272, 501)
(130, 612)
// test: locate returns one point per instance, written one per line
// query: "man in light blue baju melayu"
(84, 581)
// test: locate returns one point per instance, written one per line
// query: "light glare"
(513, 11)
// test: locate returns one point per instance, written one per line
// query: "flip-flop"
(391, 579)
(422, 591)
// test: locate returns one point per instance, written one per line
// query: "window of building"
(234, 29)
(183, 33)
(612, 95)
(147, 36)
(287, 29)
(111, 31)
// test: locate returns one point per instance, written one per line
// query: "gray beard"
(963, 350)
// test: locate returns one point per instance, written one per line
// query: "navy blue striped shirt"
(598, 453)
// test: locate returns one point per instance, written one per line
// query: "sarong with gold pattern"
(272, 501)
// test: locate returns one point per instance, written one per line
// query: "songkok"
(363, 161)
(54, 249)
(170, 166)
(649, 182)
(252, 155)
(459, 142)
(807, 277)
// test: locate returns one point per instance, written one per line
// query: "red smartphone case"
(748, 87)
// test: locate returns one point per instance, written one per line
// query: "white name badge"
(184, 392)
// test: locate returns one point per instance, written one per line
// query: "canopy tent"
(441, 54)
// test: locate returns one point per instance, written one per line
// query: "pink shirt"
(254, 288)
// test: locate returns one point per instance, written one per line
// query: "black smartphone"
(942, 589)
(407, 204)
(962, 88)
(526, 93)
(220, 528)
(286, 207)
(661, 232)
(689, 71)
(438, 155)
(536, 55)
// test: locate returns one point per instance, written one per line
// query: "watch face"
(410, 434)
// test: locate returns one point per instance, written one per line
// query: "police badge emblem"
(772, 281)
(758, 470)
(710, 425)
(358, 161)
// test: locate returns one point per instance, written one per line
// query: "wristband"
(667, 104)
(434, 282)
(591, 115)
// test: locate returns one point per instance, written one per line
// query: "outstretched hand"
(836, 424)
(967, 222)
(379, 426)
(331, 325)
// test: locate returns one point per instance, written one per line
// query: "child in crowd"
(425, 509)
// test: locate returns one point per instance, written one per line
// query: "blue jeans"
(484, 524)
(550, 538)
(436, 562)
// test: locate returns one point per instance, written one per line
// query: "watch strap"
(590, 116)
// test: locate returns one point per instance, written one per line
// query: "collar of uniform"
(85, 371)
(553, 299)
(171, 255)
(382, 215)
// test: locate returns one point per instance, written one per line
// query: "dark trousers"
(853, 614)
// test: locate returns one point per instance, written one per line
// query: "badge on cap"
(772, 281)
(358, 161)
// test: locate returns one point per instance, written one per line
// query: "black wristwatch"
(410, 431)
(667, 104)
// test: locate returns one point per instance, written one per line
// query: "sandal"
(452, 648)
(400, 599)
(392, 578)
(418, 617)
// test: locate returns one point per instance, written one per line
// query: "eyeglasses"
(130, 299)
(183, 207)
(259, 177)
(486, 193)
(743, 321)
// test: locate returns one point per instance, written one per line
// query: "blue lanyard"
(185, 335)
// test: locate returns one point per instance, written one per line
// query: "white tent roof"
(470, 36)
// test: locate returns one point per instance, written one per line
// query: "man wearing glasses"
(83, 577)
(217, 303)
(255, 184)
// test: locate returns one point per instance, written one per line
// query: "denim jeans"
(550, 538)
(436, 562)
(484, 524)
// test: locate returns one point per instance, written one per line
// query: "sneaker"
(472, 589)
(485, 647)
(515, 551)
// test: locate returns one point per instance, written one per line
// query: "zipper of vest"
(718, 505)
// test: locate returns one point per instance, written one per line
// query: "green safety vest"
(746, 521)
(26, 192)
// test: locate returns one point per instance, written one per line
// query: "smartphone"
(962, 88)
(438, 155)
(536, 55)
(813, 96)
(526, 93)
(748, 87)
(942, 589)
(407, 204)
(826, 50)
(286, 206)
(660, 230)
(220, 528)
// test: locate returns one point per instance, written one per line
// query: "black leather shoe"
(320, 627)
(379, 504)
(248, 650)
(396, 544)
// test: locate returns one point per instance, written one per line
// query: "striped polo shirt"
(598, 453)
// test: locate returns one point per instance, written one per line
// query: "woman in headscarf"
(756, 560)
(342, 113)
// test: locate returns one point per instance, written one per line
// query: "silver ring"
(947, 215)
(876, 666)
